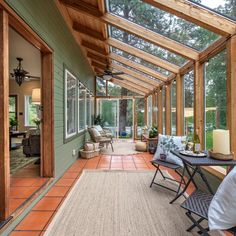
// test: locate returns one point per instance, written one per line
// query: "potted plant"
(153, 133)
(98, 120)
(13, 124)
(37, 122)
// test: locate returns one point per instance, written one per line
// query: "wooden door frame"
(8, 18)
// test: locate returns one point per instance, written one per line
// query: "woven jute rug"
(118, 203)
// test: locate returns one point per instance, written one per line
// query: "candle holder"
(220, 156)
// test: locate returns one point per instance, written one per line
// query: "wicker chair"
(105, 132)
(98, 138)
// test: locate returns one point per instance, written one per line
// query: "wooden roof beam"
(85, 30)
(82, 5)
(143, 55)
(197, 15)
(134, 74)
(138, 66)
(96, 57)
(93, 47)
(136, 81)
(129, 87)
(98, 65)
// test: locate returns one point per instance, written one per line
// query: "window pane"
(163, 91)
(189, 104)
(31, 111)
(140, 116)
(88, 109)
(145, 46)
(12, 107)
(71, 84)
(216, 103)
(173, 108)
(149, 114)
(82, 111)
(223, 7)
(163, 23)
(100, 87)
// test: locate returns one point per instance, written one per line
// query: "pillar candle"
(221, 141)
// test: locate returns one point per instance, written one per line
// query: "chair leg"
(162, 174)
(196, 223)
(112, 147)
(154, 176)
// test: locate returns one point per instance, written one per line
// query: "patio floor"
(37, 220)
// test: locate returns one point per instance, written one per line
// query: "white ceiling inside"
(19, 47)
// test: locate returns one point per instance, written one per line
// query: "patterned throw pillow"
(168, 143)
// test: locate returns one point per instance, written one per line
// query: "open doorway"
(24, 107)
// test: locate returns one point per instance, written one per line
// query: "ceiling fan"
(20, 74)
(108, 74)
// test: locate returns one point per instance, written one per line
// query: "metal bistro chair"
(198, 204)
(175, 167)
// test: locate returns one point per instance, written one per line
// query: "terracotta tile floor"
(37, 220)
(23, 184)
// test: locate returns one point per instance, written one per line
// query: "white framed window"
(31, 111)
(81, 108)
(88, 109)
(70, 104)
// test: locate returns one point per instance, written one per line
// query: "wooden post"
(135, 118)
(231, 95)
(4, 117)
(168, 109)
(145, 111)
(199, 102)
(160, 110)
(179, 105)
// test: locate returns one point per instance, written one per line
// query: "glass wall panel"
(149, 111)
(82, 109)
(163, 23)
(88, 109)
(215, 96)
(223, 7)
(140, 116)
(141, 44)
(189, 104)
(173, 108)
(100, 87)
(163, 91)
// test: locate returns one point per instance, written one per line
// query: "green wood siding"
(45, 19)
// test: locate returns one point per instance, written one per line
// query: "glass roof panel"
(141, 44)
(163, 23)
(141, 61)
(140, 72)
(226, 8)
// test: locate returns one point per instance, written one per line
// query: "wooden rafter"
(93, 47)
(138, 66)
(134, 74)
(96, 57)
(124, 85)
(136, 81)
(197, 15)
(98, 65)
(85, 30)
(143, 55)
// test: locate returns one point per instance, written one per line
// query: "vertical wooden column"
(4, 117)
(231, 94)
(168, 109)
(160, 111)
(145, 111)
(179, 105)
(135, 118)
(199, 102)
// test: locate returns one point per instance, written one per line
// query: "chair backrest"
(98, 128)
(94, 134)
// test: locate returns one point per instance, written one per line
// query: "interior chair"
(31, 145)
(105, 132)
(98, 138)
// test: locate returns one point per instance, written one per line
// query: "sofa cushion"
(167, 143)
(222, 210)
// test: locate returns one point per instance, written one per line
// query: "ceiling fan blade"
(118, 73)
(116, 77)
(32, 77)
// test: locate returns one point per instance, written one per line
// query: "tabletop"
(203, 161)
